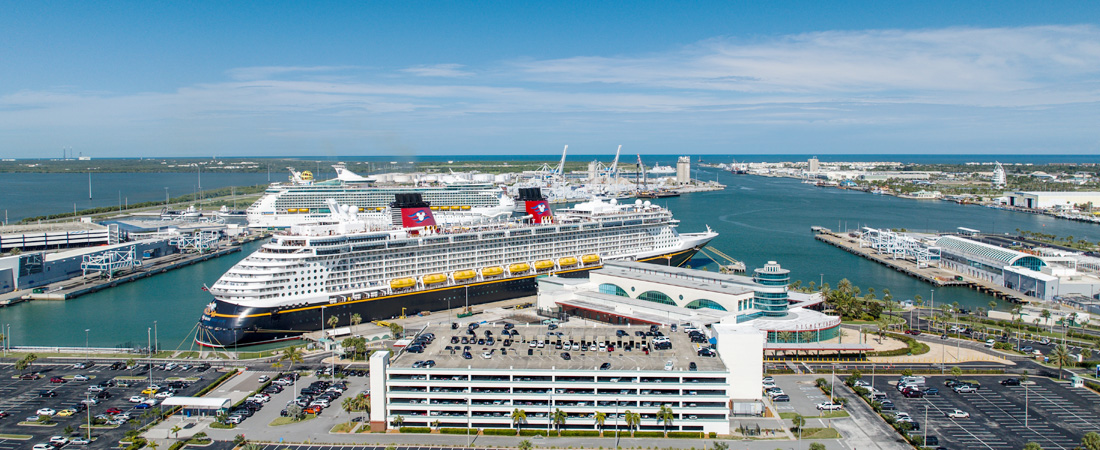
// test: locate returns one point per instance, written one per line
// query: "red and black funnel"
(535, 205)
(411, 211)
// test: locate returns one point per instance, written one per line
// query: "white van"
(911, 380)
(989, 343)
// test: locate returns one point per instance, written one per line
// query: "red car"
(312, 410)
(113, 411)
(912, 332)
(57, 380)
(30, 376)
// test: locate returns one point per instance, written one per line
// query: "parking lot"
(804, 395)
(21, 399)
(258, 424)
(1056, 418)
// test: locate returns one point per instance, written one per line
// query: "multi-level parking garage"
(577, 370)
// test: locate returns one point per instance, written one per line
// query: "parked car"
(830, 406)
(964, 389)
(781, 398)
(80, 378)
(46, 412)
(1010, 382)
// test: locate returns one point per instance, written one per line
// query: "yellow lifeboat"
(567, 261)
(544, 264)
(589, 259)
(402, 283)
(463, 275)
(434, 278)
(491, 271)
(362, 209)
(519, 268)
(435, 208)
(465, 207)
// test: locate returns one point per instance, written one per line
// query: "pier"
(937, 276)
(78, 286)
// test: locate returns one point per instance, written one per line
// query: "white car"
(264, 378)
(81, 378)
(487, 355)
(137, 399)
(668, 365)
(46, 412)
(59, 440)
(46, 446)
(80, 441)
(964, 388)
(830, 406)
(150, 401)
(163, 395)
(958, 414)
(95, 388)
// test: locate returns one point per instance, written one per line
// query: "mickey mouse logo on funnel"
(417, 217)
(538, 209)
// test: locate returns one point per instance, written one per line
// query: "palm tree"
(1086, 354)
(519, 416)
(784, 336)
(293, 355)
(665, 415)
(992, 305)
(601, 417)
(356, 319)
(1061, 356)
(956, 372)
(1045, 314)
(398, 421)
(807, 336)
(525, 445)
(559, 418)
(176, 431)
(130, 363)
(332, 321)
(632, 420)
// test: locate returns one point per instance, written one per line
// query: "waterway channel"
(759, 219)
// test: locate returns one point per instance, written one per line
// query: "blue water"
(36, 194)
(759, 220)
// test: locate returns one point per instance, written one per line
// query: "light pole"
(88, 395)
(926, 424)
(468, 420)
(616, 423)
(87, 351)
(156, 337)
(149, 337)
(931, 308)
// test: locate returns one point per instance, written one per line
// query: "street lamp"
(87, 351)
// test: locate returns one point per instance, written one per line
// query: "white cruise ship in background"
(302, 200)
(303, 277)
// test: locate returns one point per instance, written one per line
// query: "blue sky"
(406, 77)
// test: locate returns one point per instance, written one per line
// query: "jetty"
(937, 276)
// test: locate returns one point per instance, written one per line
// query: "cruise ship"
(310, 273)
(302, 200)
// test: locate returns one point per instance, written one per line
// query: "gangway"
(199, 241)
(732, 265)
(898, 246)
(110, 262)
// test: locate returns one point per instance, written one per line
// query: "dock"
(936, 276)
(78, 286)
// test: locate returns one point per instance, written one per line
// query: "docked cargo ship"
(301, 278)
(302, 199)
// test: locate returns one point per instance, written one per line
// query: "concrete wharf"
(937, 276)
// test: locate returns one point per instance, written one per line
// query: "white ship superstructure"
(303, 200)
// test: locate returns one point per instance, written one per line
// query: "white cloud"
(439, 70)
(266, 72)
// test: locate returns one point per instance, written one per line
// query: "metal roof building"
(990, 258)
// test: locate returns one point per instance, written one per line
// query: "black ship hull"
(228, 325)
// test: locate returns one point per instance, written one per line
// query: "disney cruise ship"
(303, 200)
(303, 277)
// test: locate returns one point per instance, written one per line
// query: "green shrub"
(580, 433)
(177, 445)
(499, 431)
(472, 431)
(532, 433)
(712, 435)
(645, 434)
(415, 429)
(686, 434)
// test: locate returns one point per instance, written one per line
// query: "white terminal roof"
(676, 276)
(991, 252)
(197, 402)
